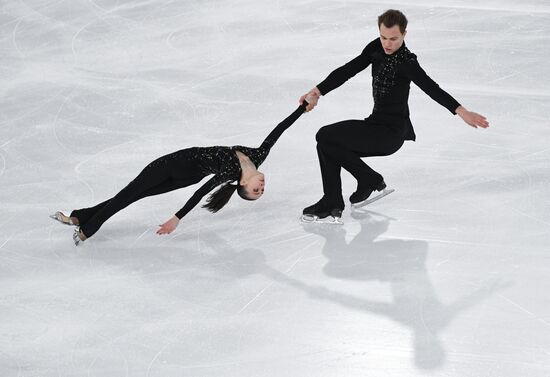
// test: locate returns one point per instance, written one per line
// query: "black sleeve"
(340, 75)
(414, 71)
(199, 194)
(274, 135)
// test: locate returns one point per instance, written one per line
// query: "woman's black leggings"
(342, 144)
(166, 173)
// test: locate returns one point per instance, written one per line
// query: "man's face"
(391, 38)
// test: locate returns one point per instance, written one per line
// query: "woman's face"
(254, 187)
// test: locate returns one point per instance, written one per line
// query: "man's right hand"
(312, 97)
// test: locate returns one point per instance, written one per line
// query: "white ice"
(448, 276)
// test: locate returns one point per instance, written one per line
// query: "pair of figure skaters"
(339, 145)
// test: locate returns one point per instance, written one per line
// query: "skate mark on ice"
(531, 314)
(287, 271)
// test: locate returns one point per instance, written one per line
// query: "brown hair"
(220, 197)
(393, 17)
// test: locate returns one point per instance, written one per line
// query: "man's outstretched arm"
(472, 119)
(430, 87)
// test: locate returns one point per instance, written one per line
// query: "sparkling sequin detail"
(221, 161)
(385, 72)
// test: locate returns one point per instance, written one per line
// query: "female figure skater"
(184, 168)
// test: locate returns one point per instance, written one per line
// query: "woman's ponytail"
(220, 197)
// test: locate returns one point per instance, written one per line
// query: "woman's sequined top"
(224, 163)
(391, 78)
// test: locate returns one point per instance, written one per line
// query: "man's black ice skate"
(362, 197)
(321, 212)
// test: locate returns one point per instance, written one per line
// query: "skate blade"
(76, 237)
(311, 219)
(60, 216)
(378, 196)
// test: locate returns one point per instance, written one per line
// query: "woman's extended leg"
(156, 178)
(91, 219)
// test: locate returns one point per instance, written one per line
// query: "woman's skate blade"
(378, 196)
(62, 218)
(78, 237)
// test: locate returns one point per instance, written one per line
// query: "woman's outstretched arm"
(274, 135)
(170, 225)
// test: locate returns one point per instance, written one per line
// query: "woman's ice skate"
(62, 218)
(78, 236)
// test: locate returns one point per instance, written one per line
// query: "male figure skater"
(341, 145)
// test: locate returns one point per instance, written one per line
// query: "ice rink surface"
(448, 276)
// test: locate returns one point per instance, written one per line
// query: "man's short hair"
(393, 17)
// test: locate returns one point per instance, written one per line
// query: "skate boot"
(62, 218)
(321, 212)
(362, 196)
(78, 236)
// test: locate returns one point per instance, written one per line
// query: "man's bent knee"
(323, 135)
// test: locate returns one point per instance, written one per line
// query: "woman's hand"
(169, 226)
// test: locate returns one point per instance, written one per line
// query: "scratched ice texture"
(448, 276)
